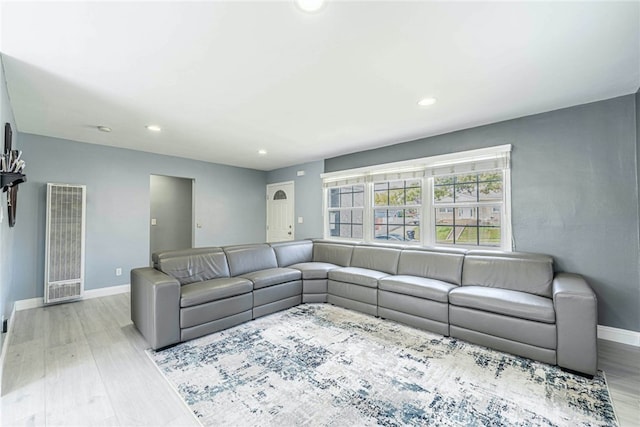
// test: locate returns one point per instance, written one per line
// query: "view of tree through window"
(397, 210)
(346, 206)
(468, 209)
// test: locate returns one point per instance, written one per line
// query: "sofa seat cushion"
(357, 276)
(314, 270)
(420, 287)
(272, 276)
(213, 290)
(505, 302)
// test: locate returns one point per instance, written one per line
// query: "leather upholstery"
(420, 307)
(314, 270)
(212, 290)
(503, 301)
(420, 287)
(363, 294)
(357, 276)
(314, 286)
(351, 304)
(332, 252)
(272, 276)
(507, 301)
(576, 309)
(514, 347)
(444, 265)
(205, 264)
(214, 310)
(215, 325)
(376, 258)
(518, 271)
(288, 253)
(415, 321)
(249, 258)
(157, 257)
(155, 306)
(512, 328)
(277, 292)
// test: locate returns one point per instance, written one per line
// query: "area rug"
(316, 364)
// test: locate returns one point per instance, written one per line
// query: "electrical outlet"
(118, 271)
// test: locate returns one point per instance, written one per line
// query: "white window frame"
(327, 208)
(505, 237)
(419, 208)
(498, 157)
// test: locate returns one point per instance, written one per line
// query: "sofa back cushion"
(332, 253)
(192, 265)
(518, 271)
(249, 258)
(376, 258)
(444, 265)
(289, 253)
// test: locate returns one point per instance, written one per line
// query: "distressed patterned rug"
(322, 365)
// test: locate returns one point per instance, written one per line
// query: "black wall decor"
(11, 173)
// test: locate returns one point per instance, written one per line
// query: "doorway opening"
(171, 208)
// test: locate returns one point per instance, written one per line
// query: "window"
(459, 199)
(397, 207)
(468, 209)
(280, 195)
(346, 205)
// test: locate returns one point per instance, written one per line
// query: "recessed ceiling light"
(104, 128)
(310, 6)
(425, 102)
(262, 152)
(154, 128)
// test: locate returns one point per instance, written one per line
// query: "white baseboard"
(105, 292)
(622, 336)
(27, 304)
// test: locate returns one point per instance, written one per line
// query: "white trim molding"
(622, 336)
(27, 304)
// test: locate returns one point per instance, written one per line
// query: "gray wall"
(638, 183)
(171, 207)
(574, 192)
(229, 204)
(308, 196)
(7, 295)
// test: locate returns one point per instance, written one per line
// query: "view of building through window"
(397, 210)
(457, 199)
(346, 206)
(468, 209)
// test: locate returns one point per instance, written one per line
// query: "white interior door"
(280, 212)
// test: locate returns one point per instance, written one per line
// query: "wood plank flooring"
(83, 363)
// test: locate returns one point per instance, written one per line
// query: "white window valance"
(484, 159)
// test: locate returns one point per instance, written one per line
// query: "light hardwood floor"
(83, 363)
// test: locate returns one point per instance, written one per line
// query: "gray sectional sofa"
(513, 302)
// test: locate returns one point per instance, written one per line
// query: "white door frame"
(290, 197)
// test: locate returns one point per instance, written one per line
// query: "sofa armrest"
(155, 306)
(576, 309)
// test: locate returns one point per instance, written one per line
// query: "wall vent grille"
(65, 242)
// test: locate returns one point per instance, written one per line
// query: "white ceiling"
(225, 79)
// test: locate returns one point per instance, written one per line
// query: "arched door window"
(280, 195)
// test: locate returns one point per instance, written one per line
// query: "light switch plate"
(153, 221)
